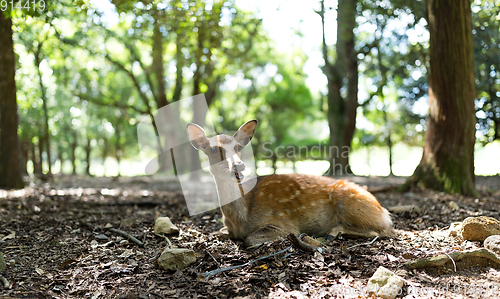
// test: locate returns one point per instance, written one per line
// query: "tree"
(341, 109)
(447, 162)
(10, 166)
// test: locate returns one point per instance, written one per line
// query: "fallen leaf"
(260, 268)
(68, 262)
(39, 271)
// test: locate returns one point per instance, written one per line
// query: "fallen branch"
(455, 257)
(207, 275)
(4, 281)
(126, 235)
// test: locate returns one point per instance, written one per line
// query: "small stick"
(209, 274)
(126, 235)
(4, 281)
(166, 239)
(368, 243)
(453, 261)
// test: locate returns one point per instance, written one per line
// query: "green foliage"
(486, 35)
(101, 75)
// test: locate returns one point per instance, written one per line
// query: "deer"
(281, 204)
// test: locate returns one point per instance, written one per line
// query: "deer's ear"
(196, 136)
(245, 132)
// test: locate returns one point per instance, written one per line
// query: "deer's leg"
(267, 233)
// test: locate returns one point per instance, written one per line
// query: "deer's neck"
(233, 206)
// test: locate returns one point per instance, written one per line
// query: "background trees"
(88, 73)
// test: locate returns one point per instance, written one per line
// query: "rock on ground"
(493, 243)
(176, 258)
(163, 225)
(479, 228)
(385, 283)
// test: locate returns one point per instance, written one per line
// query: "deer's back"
(299, 201)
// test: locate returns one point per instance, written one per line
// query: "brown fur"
(292, 203)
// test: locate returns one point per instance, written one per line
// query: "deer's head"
(223, 151)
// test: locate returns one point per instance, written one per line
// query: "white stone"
(163, 225)
(385, 284)
(176, 258)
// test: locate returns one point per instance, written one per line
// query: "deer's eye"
(214, 150)
(239, 148)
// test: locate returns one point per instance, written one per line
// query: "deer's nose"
(238, 166)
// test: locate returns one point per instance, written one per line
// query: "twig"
(166, 239)
(209, 274)
(213, 257)
(453, 261)
(4, 281)
(126, 235)
(368, 243)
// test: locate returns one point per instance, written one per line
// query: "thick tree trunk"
(10, 168)
(448, 159)
(348, 18)
(341, 113)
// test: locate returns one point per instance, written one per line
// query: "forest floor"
(56, 242)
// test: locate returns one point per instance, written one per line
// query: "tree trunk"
(40, 154)
(37, 168)
(61, 160)
(448, 159)
(74, 144)
(10, 168)
(118, 150)
(341, 113)
(25, 150)
(38, 55)
(348, 17)
(88, 149)
(105, 149)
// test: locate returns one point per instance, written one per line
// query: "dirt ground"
(55, 239)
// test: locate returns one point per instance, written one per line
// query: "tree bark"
(37, 168)
(38, 55)
(341, 113)
(10, 168)
(74, 144)
(88, 149)
(25, 151)
(448, 159)
(40, 154)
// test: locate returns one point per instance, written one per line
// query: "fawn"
(288, 203)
